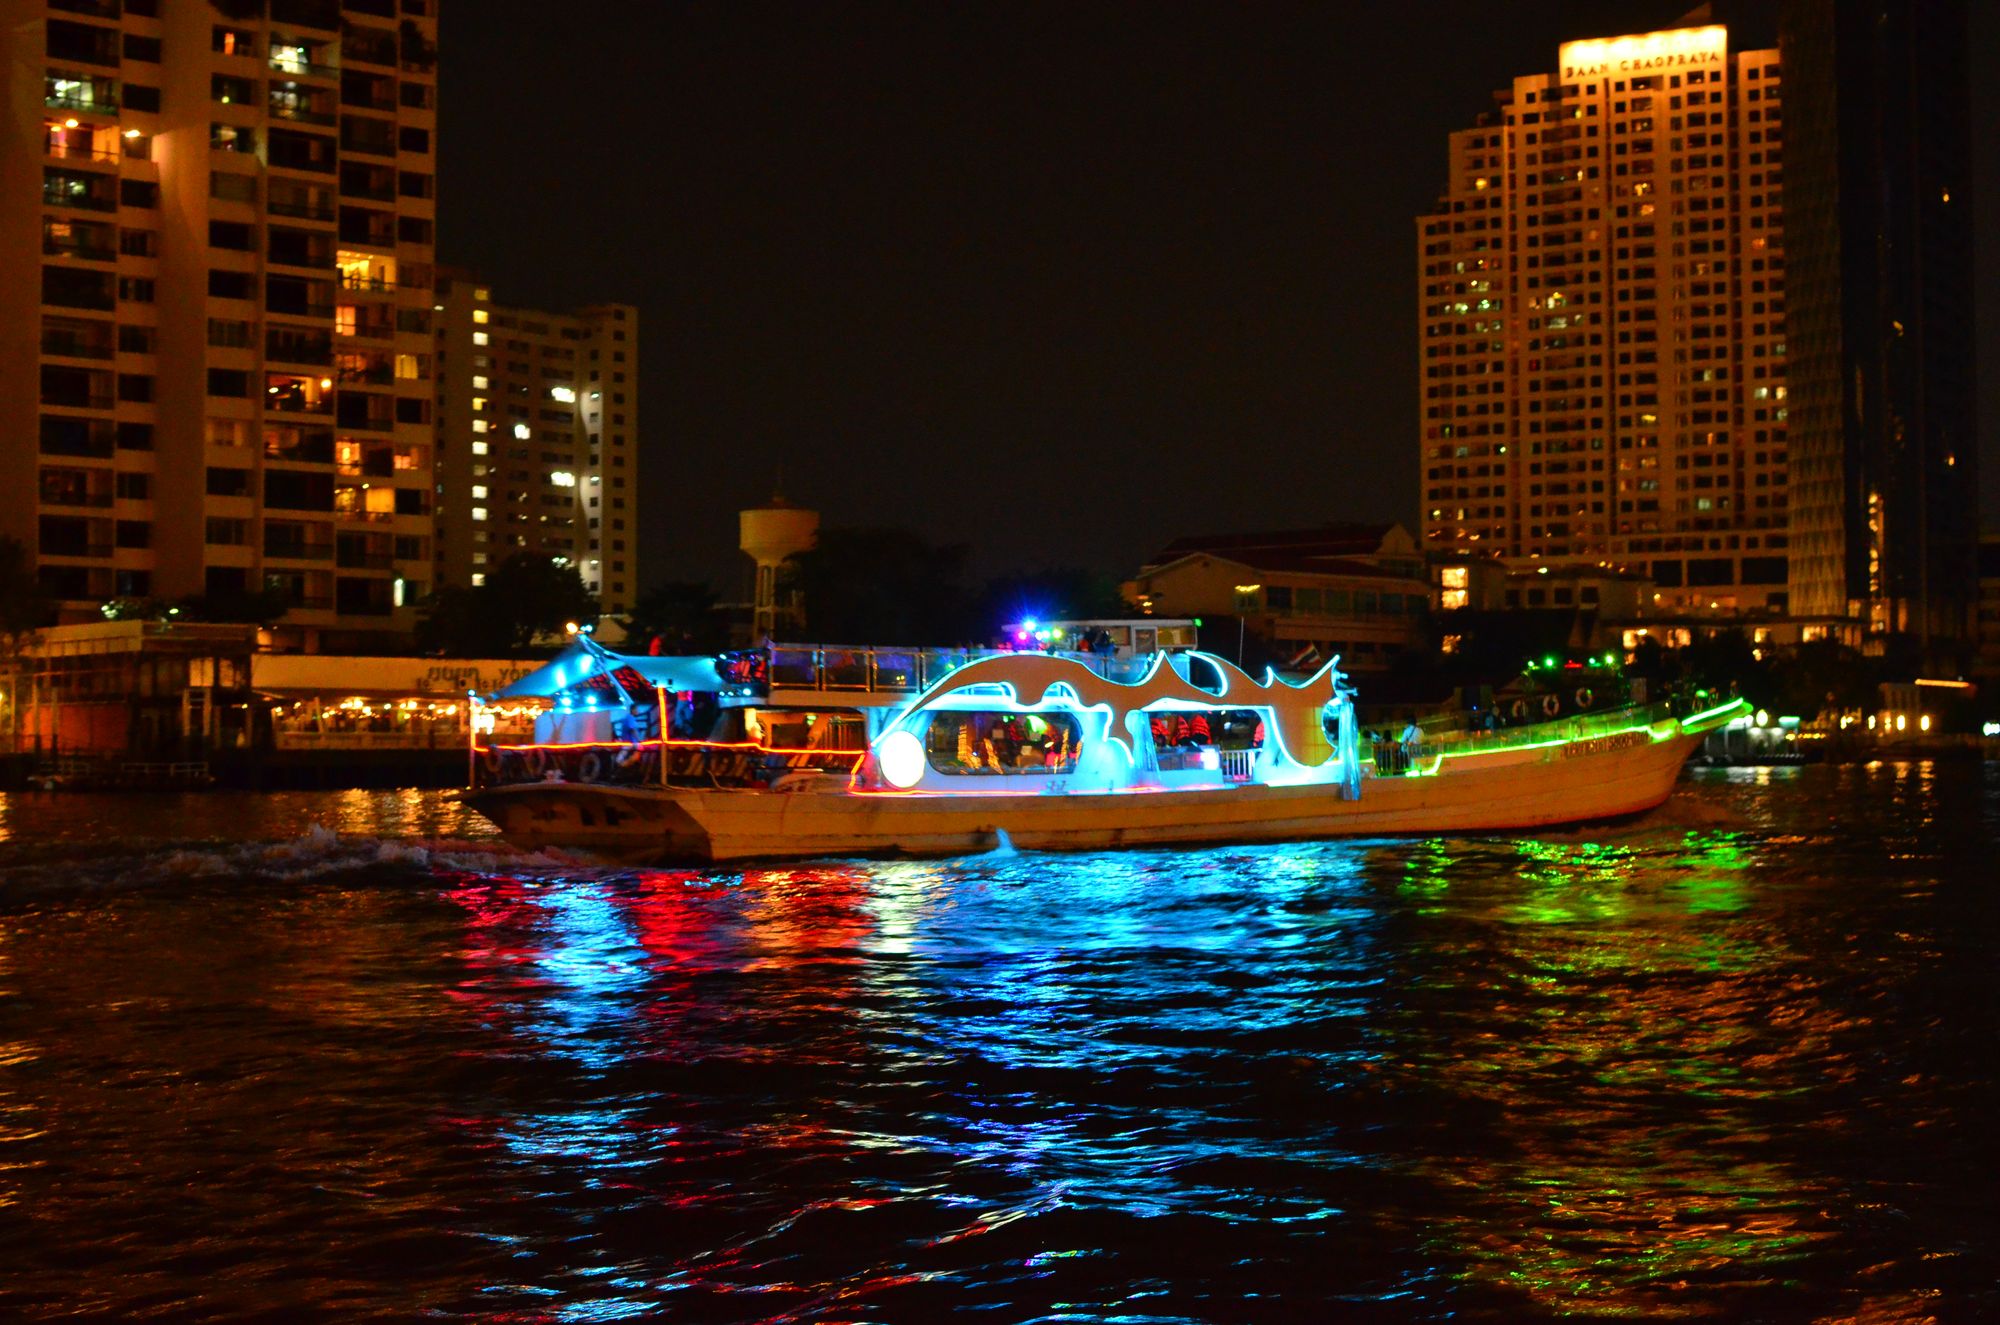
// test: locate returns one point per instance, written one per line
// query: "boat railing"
(870, 669)
(1574, 727)
(653, 763)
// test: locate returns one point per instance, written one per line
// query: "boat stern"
(619, 823)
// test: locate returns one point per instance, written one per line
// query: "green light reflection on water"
(1627, 1099)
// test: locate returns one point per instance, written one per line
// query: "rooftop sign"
(1650, 52)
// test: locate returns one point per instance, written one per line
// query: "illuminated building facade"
(1879, 219)
(1353, 590)
(538, 422)
(1602, 322)
(216, 238)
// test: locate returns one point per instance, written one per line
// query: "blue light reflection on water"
(1706, 1066)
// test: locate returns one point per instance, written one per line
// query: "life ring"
(1584, 699)
(536, 759)
(1551, 705)
(490, 760)
(1519, 710)
(591, 767)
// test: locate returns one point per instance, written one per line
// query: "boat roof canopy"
(580, 662)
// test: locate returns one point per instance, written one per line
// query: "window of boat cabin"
(1002, 742)
(798, 729)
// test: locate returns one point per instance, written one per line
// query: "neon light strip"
(1657, 731)
(674, 745)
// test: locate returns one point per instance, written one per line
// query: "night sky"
(1060, 281)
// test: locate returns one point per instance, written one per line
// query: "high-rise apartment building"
(216, 238)
(1602, 314)
(1879, 225)
(538, 423)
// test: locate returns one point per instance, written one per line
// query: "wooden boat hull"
(1561, 782)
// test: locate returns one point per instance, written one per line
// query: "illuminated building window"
(479, 382)
(478, 578)
(567, 395)
(479, 448)
(522, 432)
(479, 512)
(479, 315)
(479, 425)
(480, 338)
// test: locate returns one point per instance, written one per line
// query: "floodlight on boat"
(900, 755)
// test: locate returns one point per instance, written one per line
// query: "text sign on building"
(1650, 52)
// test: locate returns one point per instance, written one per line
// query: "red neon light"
(680, 745)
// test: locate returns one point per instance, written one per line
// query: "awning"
(579, 663)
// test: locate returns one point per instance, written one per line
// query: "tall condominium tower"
(1602, 316)
(1879, 219)
(216, 237)
(538, 422)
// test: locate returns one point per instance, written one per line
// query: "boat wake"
(318, 853)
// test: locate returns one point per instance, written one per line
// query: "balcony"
(75, 145)
(299, 61)
(76, 345)
(76, 247)
(77, 399)
(72, 94)
(369, 45)
(367, 283)
(308, 210)
(92, 439)
(75, 287)
(302, 105)
(352, 560)
(295, 551)
(287, 346)
(72, 497)
(297, 395)
(90, 193)
(353, 372)
(366, 412)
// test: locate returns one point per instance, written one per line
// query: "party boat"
(793, 751)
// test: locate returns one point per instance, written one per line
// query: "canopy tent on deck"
(584, 662)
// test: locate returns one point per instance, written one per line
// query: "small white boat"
(806, 752)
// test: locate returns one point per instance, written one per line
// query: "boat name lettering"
(1598, 745)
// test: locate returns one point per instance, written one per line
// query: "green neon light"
(1665, 729)
(1731, 707)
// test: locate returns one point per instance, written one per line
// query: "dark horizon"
(1061, 286)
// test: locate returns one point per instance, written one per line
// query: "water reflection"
(1730, 1061)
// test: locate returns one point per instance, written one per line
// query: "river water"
(346, 1056)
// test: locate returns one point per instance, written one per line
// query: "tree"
(883, 586)
(243, 606)
(1824, 674)
(1725, 663)
(681, 615)
(23, 611)
(1056, 594)
(525, 597)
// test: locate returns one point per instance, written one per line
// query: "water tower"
(768, 534)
